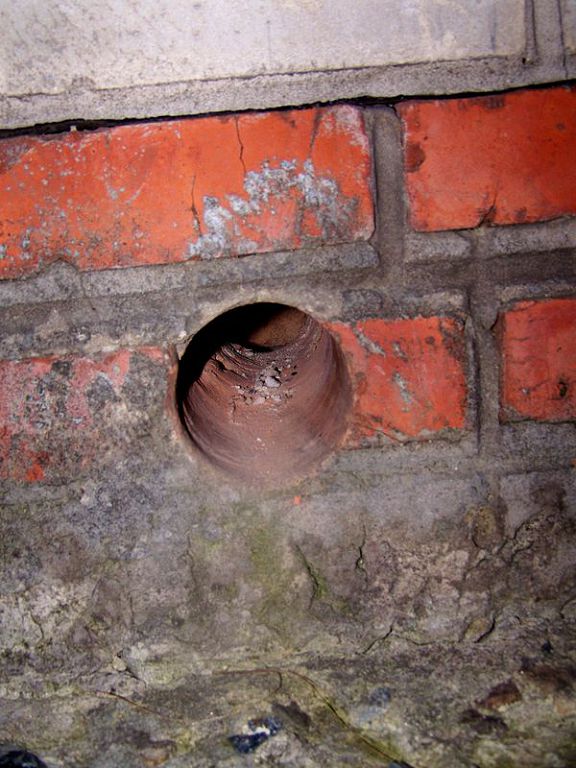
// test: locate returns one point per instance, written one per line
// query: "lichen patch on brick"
(59, 415)
(197, 188)
(410, 376)
(288, 202)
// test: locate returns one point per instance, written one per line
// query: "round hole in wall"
(263, 391)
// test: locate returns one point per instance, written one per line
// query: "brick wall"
(199, 190)
(433, 238)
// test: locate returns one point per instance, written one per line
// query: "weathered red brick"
(538, 345)
(409, 376)
(184, 189)
(59, 414)
(493, 159)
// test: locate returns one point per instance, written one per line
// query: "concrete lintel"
(274, 91)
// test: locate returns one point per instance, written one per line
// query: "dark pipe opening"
(263, 392)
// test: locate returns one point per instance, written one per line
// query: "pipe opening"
(263, 391)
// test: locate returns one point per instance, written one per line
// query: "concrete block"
(54, 46)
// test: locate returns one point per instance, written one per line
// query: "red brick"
(195, 188)
(497, 159)
(409, 376)
(59, 415)
(538, 344)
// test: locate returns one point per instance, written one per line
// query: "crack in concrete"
(378, 640)
(360, 564)
(491, 627)
(487, 216)
(316, 580)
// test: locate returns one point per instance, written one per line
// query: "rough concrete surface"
(111, 44)
(114, 60)
(166, 609)
(405, 605)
